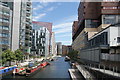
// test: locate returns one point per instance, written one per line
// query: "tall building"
(16, 25)
(40, 40)
(22, 25)
(64, 50)
(53, 44)
(5, 25)
(97, 36)
(59, 48)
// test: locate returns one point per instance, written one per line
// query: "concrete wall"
(16, 25)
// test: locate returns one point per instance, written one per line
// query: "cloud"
(50, 9)
(63, 25)
(35, 18)
(71, 18)
(38, 7)
(63, 31)
(68, 19)
(66, 35)
(63, 28)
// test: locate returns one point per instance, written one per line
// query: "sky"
(61, 14)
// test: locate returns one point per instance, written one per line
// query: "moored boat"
(19, 71)
(67, 58)
(31, 71)
(7, 70)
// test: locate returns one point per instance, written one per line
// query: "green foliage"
(73, 54)
(18, 55)
(8, 55)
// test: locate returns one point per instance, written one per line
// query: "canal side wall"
(86, 74)
(102, 76)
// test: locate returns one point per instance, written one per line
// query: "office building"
(59, 48)
(64, 50)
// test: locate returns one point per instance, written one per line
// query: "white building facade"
(40, 41)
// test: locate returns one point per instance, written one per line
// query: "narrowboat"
(31, 71)
(7, 70)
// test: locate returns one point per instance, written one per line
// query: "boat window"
(8, 69)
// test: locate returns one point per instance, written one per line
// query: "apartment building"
(48, 25)
(40, 40)
(95, 18)
(22, 25)
(16, 25)
(5, 25)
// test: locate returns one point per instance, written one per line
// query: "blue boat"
(7, 70)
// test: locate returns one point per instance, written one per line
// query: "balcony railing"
(111, 11)
(110, 57)
(110, 4)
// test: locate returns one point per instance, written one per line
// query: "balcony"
(4, 35)
(28, 3)
(110, 57)
(28, 23)
(28, 15)
(4, 24)
(5, 31)
(110, 4)
(28, 12)
(27, 38)
(27, 20)
(27, 32)
(110, 11)
(28, 8)
(28, 26)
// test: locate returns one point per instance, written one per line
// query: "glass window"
(109, 19)
(1, 12)
(118, 39)
(92, 23)
(109, 7)
(5, 27)
(0, 27)
(0, 19)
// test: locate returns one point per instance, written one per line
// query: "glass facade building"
(5, 25)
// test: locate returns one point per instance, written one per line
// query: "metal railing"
(110, 57)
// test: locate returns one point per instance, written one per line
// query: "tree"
(8, 56)
(73, 54)
(18, 55)
(0, 57)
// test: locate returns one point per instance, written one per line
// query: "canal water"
(56, 69)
